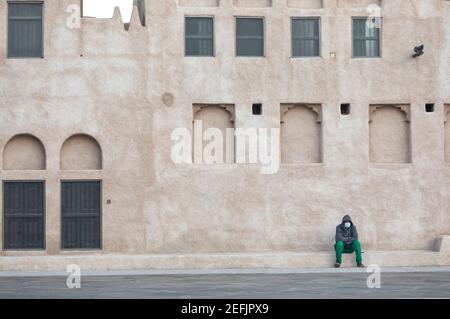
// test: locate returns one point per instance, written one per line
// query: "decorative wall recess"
(81, 152)
(24, 152)
(199, 3)
(305, 4)
(357, 3)
(389, 133)
(252, 3)
(447, 132)
(301, 133)
(215, 116)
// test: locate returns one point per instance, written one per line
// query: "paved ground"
(395, 283)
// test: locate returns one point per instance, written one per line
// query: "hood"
(347, 218)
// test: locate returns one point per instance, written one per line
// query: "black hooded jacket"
(347, 235)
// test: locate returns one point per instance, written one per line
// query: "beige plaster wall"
(130, 89)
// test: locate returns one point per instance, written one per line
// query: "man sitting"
(347, 241)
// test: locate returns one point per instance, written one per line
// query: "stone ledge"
(109, 262)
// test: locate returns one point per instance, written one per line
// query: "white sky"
(105, 8)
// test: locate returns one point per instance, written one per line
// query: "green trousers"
(340, 249)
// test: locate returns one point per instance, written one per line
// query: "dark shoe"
(361, 265)
(336, 265)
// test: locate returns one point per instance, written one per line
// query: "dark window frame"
(100, 181)
(366, 38)
(429, 108)
(257, 109)
(42, 18)
(346, 109)
(318, 38)
(213, 39)
(263, 37)
(44, 215)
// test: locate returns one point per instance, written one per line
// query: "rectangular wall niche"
(212, 142)
(199, 3)
(447, 132)
(305, 4)
(389, 133)
(301, 133)
(357, 3)
(252, 3)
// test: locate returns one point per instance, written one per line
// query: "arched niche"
(215, 116)
(301, 133)
(81, 152)
(389, 130)
(24, 152)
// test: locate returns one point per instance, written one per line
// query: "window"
(366, 38)
(429, 107)
(305, 37)
(257, 109)
(81, 215)
(25, 30)
(199, 34)
(250, 37)
(23, 215)
(345, 109)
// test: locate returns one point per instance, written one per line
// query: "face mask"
(347, 224)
